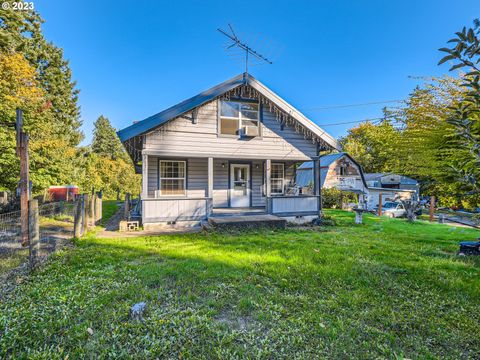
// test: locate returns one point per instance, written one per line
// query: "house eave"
(157, 120)
(173, 112)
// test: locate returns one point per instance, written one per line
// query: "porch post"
(317, 183)
(144, 176)
(268, 185)
(210, 187)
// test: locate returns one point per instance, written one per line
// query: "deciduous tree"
(465, 54)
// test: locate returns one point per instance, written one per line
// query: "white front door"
(239, 185)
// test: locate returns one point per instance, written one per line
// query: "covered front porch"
(190, 190)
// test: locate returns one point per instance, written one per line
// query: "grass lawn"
(109, 207)
(385, 289)
(12, 259)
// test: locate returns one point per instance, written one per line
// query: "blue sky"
(132, 59)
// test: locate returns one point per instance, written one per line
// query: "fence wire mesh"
(55, 228)
(12, 254)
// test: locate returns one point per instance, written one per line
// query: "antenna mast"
(248, 50)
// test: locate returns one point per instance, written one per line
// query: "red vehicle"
(63, 193)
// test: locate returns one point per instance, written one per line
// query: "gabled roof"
(186, 106)
(405, 180)
(326, 161)
(374, 176)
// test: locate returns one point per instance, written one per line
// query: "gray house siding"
(197, 178)
(257, 184)
(196, 175)
(220, 183)
(181, 136)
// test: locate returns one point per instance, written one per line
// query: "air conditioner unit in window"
(250, 131)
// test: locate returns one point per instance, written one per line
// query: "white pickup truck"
(393, 209)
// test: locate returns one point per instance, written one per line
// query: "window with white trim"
(236, 116)
(277, 178)
(172, 177)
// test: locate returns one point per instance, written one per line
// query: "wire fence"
(54, 228)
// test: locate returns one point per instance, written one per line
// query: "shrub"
(327, 220)
(333, 198)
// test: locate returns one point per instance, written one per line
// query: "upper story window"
(239, 118)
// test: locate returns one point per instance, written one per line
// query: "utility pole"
(22, 153)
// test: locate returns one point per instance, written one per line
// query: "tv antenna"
(248, 50)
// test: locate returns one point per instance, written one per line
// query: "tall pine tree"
(105, 140)
(53, 121)
(20, 32)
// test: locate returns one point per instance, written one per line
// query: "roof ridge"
(245, 78)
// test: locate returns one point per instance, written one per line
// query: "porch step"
(247, 222)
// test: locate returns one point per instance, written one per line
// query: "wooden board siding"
(197, 178)
(152, 175)
(180, 137)
(294, 204)
(220, 183)
(257, 184)
(186, 209)
(196, 175)
(352, 179)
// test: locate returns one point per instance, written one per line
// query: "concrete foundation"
(300, 220)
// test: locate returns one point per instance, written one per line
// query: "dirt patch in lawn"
(236, 322)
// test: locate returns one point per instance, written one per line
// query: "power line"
(354, 105)
(377, 119)
(352, 122)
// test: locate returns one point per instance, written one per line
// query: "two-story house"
(235, 145)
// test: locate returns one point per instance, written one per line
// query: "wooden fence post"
(24, 186)
(77, 223)
(126, 213)
(22, 153)
(84, 213)
(33, 231)
(380, 204)
(91, 211)
(432, 208)
(98, 208)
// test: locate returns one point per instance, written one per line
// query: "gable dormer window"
(239, 118)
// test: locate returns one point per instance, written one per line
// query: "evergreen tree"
(105, 140)
(51, 117)
(20, 32)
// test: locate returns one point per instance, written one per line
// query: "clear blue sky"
(132, 59)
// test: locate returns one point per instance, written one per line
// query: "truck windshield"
(389, 205)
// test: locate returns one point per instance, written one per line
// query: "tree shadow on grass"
(222, 294)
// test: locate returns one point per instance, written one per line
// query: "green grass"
(385, 289)
(109, 207)
(12, 260)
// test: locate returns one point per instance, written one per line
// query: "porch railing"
(170, 209)
(295, 205)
